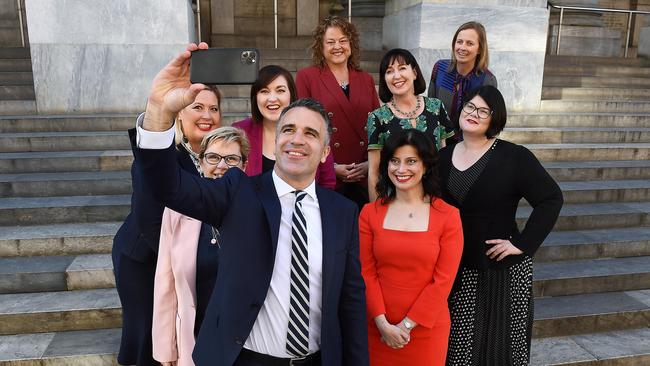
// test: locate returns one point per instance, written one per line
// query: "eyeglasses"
(230, 160)
(483, 113)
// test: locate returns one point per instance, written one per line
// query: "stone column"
(97, 56)
(308, 19)
(516, 32)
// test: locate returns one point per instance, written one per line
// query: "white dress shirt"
(269, 333)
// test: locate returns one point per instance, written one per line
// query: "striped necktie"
(298, 332)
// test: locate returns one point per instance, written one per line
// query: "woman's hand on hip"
(501, 249)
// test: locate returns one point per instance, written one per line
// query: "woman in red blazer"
(273, 90)
(411, 243)
(348, 94)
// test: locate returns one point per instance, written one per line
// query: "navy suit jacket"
(247, 211)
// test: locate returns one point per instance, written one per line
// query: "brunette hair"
(405, 57)
(483, 57)
(265, 77)
(493, 98)
(426, 152)
(179, 136)
(227, 134)
(347, 28)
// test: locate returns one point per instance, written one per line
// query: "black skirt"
(492, 316)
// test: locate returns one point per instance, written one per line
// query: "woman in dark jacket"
(492, 301)
(135, 246)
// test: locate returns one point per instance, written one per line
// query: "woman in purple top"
(273, 90)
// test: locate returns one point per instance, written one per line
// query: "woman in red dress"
(411, 244)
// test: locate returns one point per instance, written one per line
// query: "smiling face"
(300, 145)
(222, 148)
(467, 47)
(400, 78)
(200, 117)
(273, 98)
(336, 46)
(405, 169)
(471, 123)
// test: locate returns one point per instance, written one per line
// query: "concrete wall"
(516, 29)
(96, 56)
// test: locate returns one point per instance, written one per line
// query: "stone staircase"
(592, 275)
(65, 185)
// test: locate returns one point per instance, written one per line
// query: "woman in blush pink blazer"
(180, 292)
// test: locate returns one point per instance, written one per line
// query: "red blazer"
(349, 117)
(325, 176)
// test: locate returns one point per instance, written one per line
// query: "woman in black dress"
(491, 303)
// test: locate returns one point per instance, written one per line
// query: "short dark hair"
(265, 77)
(493, 98)
(407, 58)
(315, 106)
(426, 152)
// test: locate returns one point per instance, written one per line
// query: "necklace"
(410, 114)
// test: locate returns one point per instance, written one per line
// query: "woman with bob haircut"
(400, 85)
(466, 70)
(135, 245)
(491, 303)
(188, 258)
(411, 243)
(273, 91)
(348, 93)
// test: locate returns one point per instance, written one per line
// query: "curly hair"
(347, 28)
(426, 152)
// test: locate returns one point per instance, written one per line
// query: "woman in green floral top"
(400, 83)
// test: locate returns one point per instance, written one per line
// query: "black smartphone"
(229, 66)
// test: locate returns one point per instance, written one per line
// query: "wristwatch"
(407, 324)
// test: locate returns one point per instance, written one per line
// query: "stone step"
(607, 106)
(65, 161)
(10, 107)
(97, 347)
(64, 141)
(582, 93)
(598, 170)
(606, 191)
(67, 123)
(236, 105)
(237, 40)
(552, 60)
(589, 152)
(17, 64)
(598, 70)
(556, 135)
(62, 210)
(17, 92)
(591, 276)
(294, 65)
(305, 53)
(16, 78)
(60, 311)
(57, 239)
(65, 184)
(590, 313)
(630, 347)
(594, 244)
(579, 119)
(588, 216)
(14, 52)
(58, 273)
(595, 81)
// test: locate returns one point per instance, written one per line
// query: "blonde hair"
(483, 58)
(180, 135)
(347, 28)
(227, 134)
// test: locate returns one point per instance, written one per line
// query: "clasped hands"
(395, 336)
(351, 172)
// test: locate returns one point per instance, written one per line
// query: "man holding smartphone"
(289, 290)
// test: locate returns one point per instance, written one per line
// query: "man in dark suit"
(289, 289)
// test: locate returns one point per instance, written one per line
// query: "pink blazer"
(174, 307)
(325, 175)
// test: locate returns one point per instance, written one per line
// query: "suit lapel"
(335, 90)
(356, 95)
(328, 225)
(271, 203)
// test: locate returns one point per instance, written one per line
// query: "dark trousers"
(250, 358)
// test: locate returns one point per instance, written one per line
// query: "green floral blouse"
(433, 121)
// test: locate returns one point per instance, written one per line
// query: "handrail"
(601, 10)
(20, 22)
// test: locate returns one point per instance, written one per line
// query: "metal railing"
(20, 22)
(599, 10)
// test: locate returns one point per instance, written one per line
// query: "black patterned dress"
(433, 121)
